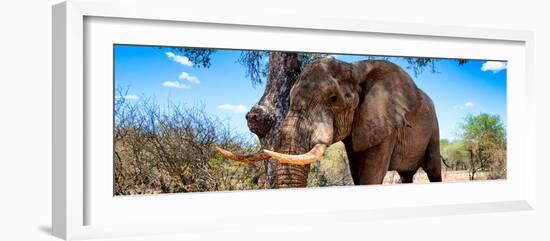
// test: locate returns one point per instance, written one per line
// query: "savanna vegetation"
(481, 147)
(158, 151)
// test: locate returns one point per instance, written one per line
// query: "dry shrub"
(170, 150)
(497, 167)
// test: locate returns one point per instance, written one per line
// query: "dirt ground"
(392, 177)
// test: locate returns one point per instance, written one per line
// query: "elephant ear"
(388, 95)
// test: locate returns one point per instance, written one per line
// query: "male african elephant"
(373, 106)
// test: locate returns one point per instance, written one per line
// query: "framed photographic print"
(167, 123)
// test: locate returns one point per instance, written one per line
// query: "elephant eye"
(333, 98)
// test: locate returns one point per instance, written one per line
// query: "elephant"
(373, 106)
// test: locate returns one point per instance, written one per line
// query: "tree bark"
(266, 116)
(472, 166)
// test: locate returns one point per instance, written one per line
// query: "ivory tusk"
(313, 155)
(243, 158)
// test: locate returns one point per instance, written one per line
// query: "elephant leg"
(375, 161)
(352, 160)
(432, 160)
(407, 177)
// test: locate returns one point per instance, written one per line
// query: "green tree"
(454, 153)
(484, 138)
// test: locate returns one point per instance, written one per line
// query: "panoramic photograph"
(203, 120)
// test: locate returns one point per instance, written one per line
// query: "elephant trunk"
(293, 142)
(288, 175)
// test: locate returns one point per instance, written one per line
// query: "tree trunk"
(265, 118)
(470, 166)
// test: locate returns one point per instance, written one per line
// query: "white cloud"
(234, 108)
(175, 84)
(190, 78)
(179, 59)
(495, 66)
(468, 104)
(127, 97)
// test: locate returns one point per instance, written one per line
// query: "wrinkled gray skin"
(374, 107)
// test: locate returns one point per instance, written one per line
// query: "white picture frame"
(73, 193)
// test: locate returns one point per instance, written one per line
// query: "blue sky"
(224, 90)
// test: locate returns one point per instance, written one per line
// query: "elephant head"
(332, 100)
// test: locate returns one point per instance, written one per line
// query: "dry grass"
(392, 177)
